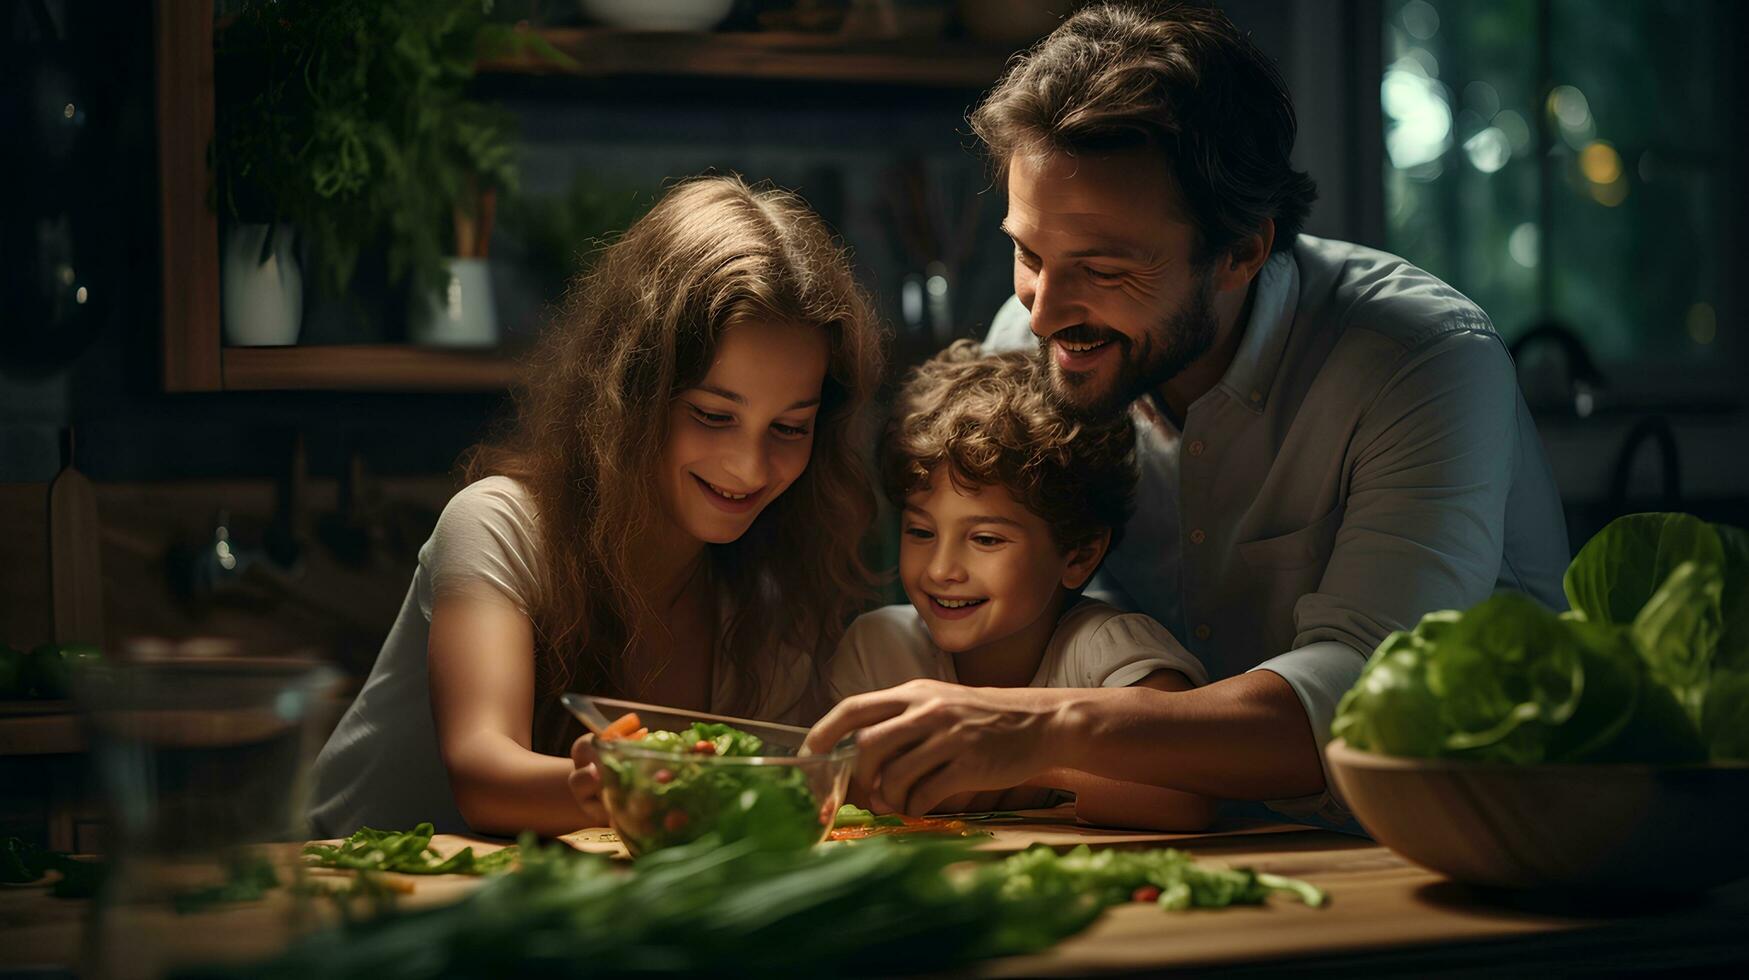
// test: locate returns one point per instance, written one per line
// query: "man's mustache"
(1083, 333)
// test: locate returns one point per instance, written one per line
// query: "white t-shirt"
(1095, 645)
(382, 767)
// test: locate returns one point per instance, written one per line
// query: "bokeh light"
(1420, 20)
(1600, 163)
(1518, 135)
(1488, 150)
(1420, 114)
(1703, 323)
(1525, 245)
(1482, 97)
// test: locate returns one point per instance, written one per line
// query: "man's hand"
(925, 741)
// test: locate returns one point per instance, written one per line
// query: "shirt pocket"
(1310, 545)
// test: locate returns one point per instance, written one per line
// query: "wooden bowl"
(1629, 828)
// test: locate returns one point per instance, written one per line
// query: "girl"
(674, 518)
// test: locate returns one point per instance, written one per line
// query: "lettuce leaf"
(1724, 723)
(1650, 665)
(1678, 629)
(1510, 681)
(1617, 571)
(1733, 652)
(1390, 708)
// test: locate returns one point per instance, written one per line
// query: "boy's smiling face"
(980, 567)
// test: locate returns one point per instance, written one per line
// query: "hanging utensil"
(75, 576)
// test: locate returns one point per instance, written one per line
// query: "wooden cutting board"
(1058, 828)
(1054, 828)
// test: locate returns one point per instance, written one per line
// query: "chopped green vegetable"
(1113, 876)
(406, 851)
(879, 907)
(247, 879)
(1652, 664)
(851, 815)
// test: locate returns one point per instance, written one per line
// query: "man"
(1332, 441)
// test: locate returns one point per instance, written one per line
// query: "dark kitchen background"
(1570, 164)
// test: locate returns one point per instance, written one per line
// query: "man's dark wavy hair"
(1176, 76)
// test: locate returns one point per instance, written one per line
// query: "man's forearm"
(1246, 737)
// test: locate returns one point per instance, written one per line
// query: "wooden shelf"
(601, 53)
(375, 367)
(195, 358)
(39, 728)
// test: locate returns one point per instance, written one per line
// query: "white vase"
(263, 299)
(461, 314)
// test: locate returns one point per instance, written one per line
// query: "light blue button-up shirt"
(1367, 458)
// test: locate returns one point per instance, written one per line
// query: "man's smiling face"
(1103, 258)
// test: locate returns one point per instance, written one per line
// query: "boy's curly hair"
(991, 419)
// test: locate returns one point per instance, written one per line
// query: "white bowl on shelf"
(658, 15)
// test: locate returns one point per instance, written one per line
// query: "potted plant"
(348, 121)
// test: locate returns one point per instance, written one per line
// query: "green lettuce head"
(1682, 586)
(1509, 681)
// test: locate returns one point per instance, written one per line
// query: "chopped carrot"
(625, 726)
(907, 825)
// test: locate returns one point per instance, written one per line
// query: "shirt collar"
(1274, 300)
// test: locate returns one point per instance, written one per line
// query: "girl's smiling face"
(743, 434)
(980, 567)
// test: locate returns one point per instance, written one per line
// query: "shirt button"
(1257, 396)
(1197, 537)
(1203, 632)
(1196, 447)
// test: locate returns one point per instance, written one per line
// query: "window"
(1570, 161)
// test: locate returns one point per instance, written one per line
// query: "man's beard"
(1156, 358)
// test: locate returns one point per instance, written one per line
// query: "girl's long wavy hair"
(591, 420)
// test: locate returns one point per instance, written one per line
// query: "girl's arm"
(481, 661)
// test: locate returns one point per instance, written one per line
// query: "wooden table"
(1385, 915)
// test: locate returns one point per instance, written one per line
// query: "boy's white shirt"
(1095, 645)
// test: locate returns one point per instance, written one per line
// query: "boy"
(1007, 508)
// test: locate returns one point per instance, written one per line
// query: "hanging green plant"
(350, 120)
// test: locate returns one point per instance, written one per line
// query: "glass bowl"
(657, 798)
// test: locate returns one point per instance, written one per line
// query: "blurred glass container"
(203, 765)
